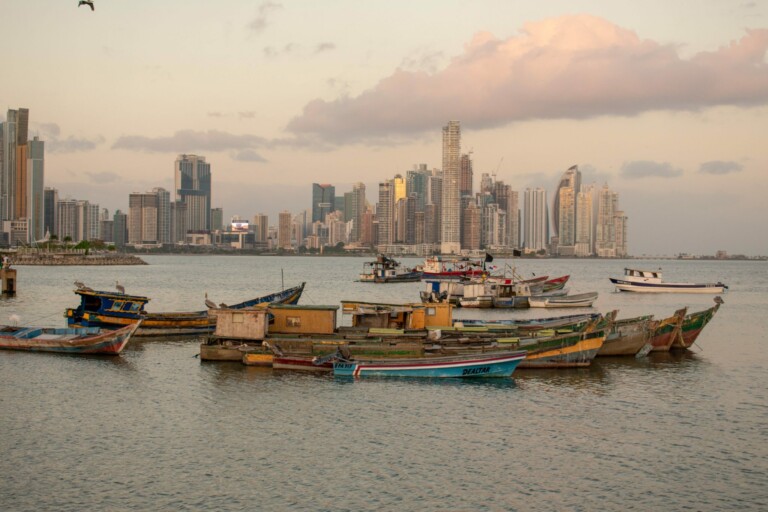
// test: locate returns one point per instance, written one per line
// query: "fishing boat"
(664, 332)
(118, 309)
(627, 336)
(66, 340)
(650, 281)
(581, 300)
(388, 270)
(438, 267)
(499, 364)
(693, 324)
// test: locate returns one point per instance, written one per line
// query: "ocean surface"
(156, 429)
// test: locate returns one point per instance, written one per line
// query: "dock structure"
(8, 280)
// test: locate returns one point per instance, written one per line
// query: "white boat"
(581, 300)
(650, 281)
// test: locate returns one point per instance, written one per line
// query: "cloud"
(720, 167)
(571, 67)
(647, 168)
(246, 115)
(261, 21)
(189, 140)
(50, 133)
(248, 155)
(324, 47)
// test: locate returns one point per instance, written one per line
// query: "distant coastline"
(72, 258)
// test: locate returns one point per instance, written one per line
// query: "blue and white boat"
(491, 364)
(649, 281)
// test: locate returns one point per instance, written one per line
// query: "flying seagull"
(89, 3)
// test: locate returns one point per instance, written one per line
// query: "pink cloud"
(568, 67)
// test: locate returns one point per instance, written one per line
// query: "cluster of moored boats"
(411, 339)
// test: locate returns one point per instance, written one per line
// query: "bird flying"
(89, 3)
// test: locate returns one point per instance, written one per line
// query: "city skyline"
(667, 104)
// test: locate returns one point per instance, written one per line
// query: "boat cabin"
(112, 303)
(250, 324)
(647, 276)
(292, 319)
(399, 316)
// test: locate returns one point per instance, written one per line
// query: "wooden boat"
(664, 332)
(627, 336)
(388, 270)
(574, 350)
(530, 324)
(581, 300)
(500, 364)
(118, 309)
(66, 340)
(650, 281)
(557, 283)
(438, 267)
(693, 324)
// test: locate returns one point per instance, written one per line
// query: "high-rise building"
(466, 175)
(179, 219)
(417, 182)
(68, 220)
(536, 220)
(164, 226)
(261, 227)
(51, 197)
(120, 229)
(611, 228)
(13, 164)
(385, 213)
(358, 208)
(323, 201)
(35, 200)
(564, 208)
(217, 219)
(284, 230)
(398, 182)
(470, 228)
(585, 225)
(493, 225)
(142, 218)
(450, 215)
(193, 188)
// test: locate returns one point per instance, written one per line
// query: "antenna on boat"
(282, 279)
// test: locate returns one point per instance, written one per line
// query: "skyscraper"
(13, 163)
(358, 207)
(193, 188)
(450, 218)
(284, 230)
(323, 201)
(261, 227)
(611, 228)
(35, 201)
(51, 197)
(385, 213)
(536, 220)
(466, 175)
(564, 207)
(142, 218)
(585, 225)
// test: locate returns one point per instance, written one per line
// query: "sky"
(666, 102)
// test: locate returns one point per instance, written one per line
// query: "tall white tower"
(451, 201)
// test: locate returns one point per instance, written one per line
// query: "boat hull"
(475, 366)
(629, 286)
(691, 327)
(565, 352)
(627, 338)
(104, 342)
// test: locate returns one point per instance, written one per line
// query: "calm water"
(154, 429)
